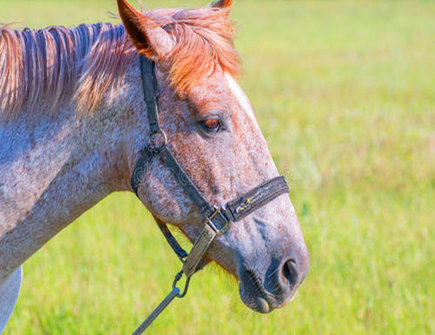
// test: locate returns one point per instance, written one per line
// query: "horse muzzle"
(264, 291)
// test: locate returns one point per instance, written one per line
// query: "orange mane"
(204, 43)
(45, 69)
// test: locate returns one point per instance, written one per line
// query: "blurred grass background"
(344, 93)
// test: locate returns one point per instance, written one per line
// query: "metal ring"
(158, 140)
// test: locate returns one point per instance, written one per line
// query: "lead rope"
(157, 311)
(175, 293)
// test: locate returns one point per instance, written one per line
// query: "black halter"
(217, 219)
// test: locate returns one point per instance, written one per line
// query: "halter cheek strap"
(217, 219)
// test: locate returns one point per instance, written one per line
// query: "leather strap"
(179, 251)
(184, 180)
(149, 89)
(256, 198)
(205, 238)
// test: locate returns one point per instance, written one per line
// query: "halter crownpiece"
(217, 219)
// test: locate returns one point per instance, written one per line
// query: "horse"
(73, 125)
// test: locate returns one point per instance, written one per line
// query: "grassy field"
(345, 95)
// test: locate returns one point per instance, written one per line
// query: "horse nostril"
(290, 272)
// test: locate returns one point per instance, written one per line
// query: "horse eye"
(212, 125)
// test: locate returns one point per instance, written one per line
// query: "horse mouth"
(253, 294)
(257, 298)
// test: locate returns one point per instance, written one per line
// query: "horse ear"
(222, 4)
(147, 36)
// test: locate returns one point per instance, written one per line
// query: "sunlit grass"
(344, 93)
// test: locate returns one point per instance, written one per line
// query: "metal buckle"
(209, 221)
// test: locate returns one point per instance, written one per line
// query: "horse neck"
(54, 168)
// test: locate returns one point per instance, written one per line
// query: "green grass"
(344, 92)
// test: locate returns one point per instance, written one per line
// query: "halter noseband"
(217, 219)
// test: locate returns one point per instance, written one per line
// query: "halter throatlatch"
(217, 219)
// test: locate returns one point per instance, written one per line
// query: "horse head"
(213, 133)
